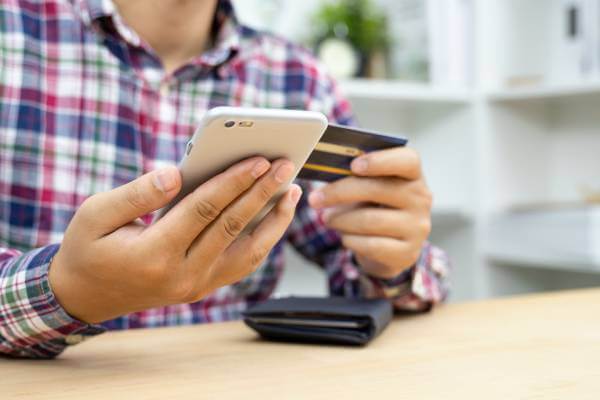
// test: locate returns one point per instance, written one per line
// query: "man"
(95, 94)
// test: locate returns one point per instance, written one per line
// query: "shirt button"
(74, 339)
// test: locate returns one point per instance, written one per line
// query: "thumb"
(120, 206)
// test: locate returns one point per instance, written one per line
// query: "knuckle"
(257, 255)
(264, 193)
(233, 225)
(421, 188)
(428, 198)
(240, 183)
(424, 227)
(86, 209)
(88, 203)
(421, 196)
(413, 164)
(414, 156)
(184, 292)
(135, 197)
(205, 210)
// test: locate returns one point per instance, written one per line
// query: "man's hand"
(110, 264)
(383, 213)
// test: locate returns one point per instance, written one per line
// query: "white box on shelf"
(559, 238)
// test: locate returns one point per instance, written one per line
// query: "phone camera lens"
(229, 124)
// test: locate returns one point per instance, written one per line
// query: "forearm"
(32, 322)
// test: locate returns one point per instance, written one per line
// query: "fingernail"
(316, 199)
(284, 172)
(260, 168)
(295, 194)
(164, 180)
(360, 165)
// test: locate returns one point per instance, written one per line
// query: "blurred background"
(502, 99)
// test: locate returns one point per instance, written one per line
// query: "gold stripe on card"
(339, 149)
(331, 170)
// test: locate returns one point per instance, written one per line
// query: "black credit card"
(331, 158)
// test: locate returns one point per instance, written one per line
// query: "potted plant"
(352, 38)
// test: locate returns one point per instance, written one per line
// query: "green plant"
(362, 23)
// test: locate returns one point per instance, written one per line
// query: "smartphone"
(227, 135)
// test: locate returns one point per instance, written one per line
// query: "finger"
(373, 222)
(402, 162)
(328, 213)
(384, 250)
(106, 212)
(184, 222)
(391, 192)
(232, 221)
(250, 251)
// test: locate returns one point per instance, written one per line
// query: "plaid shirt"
(85, 106)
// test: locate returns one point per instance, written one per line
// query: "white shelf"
(563, 238)
(390, 90)
(545, 92)
(573, 264)
(450, 216)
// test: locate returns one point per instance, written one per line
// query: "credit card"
(331, 158)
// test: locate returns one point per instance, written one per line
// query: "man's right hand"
(110, 264)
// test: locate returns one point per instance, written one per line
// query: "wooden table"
(534, 347)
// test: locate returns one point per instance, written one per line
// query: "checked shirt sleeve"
(32, 323)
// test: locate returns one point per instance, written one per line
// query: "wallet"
(320, 320)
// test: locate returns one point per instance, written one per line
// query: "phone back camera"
(229, 124)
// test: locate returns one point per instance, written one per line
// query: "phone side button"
(188, 150)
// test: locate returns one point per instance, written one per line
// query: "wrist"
(381, 271)
(388, 287)
(71, 293)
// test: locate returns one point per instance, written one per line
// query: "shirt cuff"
(419, 287)
(32, 322)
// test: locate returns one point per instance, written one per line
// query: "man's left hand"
(383, 212)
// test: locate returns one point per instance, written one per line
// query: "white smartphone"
(227, 135)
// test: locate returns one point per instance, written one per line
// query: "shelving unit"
(386, 90)
(538, 145)
(489, 148)
(560, 92)
(554, 262)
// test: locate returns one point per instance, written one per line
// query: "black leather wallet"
(320, 320)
